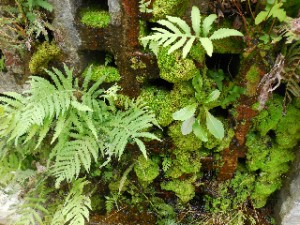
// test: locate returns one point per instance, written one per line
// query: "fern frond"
(196, 20)
(177, 33)
(224, 33)
(207, 24)
(71, 154)
(129, 126)
(75, 210)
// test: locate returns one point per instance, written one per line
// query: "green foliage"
(144, 6)
(76, 206)
(195, 125)
(77, 122)
(38, 3)
(275, 12)
(184, 190)
(43, 54)
(179, 29)
(95, 18)
(110, 73)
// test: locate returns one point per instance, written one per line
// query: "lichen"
(146, 170)
(43, 54)
(162, 8)
(95, 18)
(112, 74)
(183, 189)
(173, 68)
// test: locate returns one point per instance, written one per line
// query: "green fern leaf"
(224, 33)
(186, 49)
(207, 45)
(207, 24)
(196, 20)
(181, 24)
(170, 26)
(177, 45)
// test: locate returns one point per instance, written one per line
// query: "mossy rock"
(95, 18)
(111, 73)
(173, 68)
(43, 54)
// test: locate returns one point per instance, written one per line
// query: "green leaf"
(185, 113)
(224, 33)
(188, 47)
(207, 22)
(213, 96)
(262, 16)
(214, 126)
(80, 107)
(207, 45)
(199, 131)
(196, 20)
(187, 126)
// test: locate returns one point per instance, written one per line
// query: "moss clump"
(112, 74)
(184, 163)
(162, 8)
(43, 54)
(160, 102)
(173, 68)
(164, 103)
(95, 18)
(271, 160)
(146, 170)
(183, 189)
(184, 142)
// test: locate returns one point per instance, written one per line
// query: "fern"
(75, 209)
(129, 125)
(179, 35)
(39, 3)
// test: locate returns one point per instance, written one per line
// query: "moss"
(162, 8)
(198, 53)
(95, 18)
(284, 126)
(253, 78)
(173, 68)
(137, 64)
(112, 74)
(183, 189)
(146, 170)
(231, 45)
(184, 163)
(271, 161)
(164, 103)
(184, 142)
(43, 54)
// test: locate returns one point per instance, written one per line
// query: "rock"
(9, 84)
(115, 12)
(8, 203)
(288, 207)
(66, 33)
